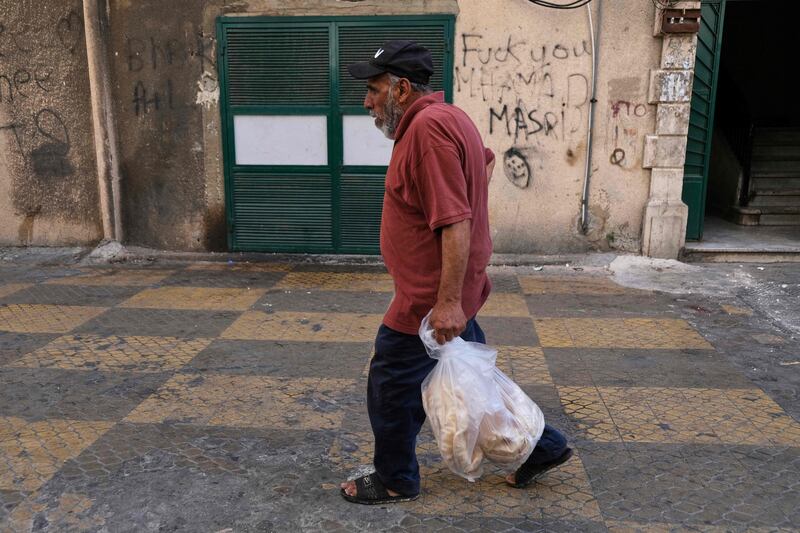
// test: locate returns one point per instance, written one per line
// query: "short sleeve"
(442, 187)
(488, 155)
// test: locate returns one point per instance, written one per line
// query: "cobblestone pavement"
(210, 397)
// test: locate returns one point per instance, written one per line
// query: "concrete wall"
(48, 183)
(523, 72)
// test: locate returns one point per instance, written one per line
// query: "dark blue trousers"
(394, 402)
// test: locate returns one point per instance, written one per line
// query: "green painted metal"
(316, 209)
(701, 123)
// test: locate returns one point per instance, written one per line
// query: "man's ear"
(403, 90)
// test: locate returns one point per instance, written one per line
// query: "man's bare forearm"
(455, 254)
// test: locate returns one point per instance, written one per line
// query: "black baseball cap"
(400, 57)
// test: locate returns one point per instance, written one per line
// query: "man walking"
(436, 245)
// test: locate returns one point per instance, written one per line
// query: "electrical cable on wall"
(592, 101)
(574, 4)
(664, 4)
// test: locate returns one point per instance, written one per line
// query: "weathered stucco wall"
(163, 61)
(48, 183)
(523, 72)
(158, 52)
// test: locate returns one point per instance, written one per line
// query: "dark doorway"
(754, 169)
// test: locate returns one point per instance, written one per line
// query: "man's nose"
(367, 102)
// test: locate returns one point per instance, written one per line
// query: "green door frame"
(334, 112)
(701, 124)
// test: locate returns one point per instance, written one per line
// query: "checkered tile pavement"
(215, 397)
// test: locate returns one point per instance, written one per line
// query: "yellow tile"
(564, 493)
(526, 364)
(246, 401)
(768, 338)
(199, 298)
(111, 354)
(115, 277)
(35, 318)
(568, 285)
(733, 310)
(11, 288)
(332, 327)
(504, 304)
(241, 267)
(69, 513)
(31, 452)
(620, 526)
(679, 415)
(337, 281)
(644, 333)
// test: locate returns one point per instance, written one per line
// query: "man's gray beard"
(392, 115)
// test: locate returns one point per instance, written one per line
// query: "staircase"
(774, 189)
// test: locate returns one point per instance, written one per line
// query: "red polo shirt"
(436, 177)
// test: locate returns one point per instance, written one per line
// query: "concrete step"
(768, 215)
(779, 136)
(772, 152)
(774, 182)
(779, 220)
(775, 169)
(692, 254)
(760, 199)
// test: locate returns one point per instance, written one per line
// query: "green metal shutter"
(296, 66)
(277, 69)
(362, 188)
(701, 123)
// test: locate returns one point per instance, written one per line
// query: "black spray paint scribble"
(25, 36)
(50, 158)
(617, 156)
(165, 56)
(516, 168)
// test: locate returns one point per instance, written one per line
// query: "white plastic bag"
(475, 410)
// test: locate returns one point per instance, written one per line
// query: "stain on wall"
(164, 72)
(48, 178)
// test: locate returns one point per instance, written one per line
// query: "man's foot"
(369, 490)
(526, 473)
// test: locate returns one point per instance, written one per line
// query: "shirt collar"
(416, 107)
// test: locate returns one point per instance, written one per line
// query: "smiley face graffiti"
(516, 168)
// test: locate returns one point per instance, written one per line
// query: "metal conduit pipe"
(595, 37)
(105, 138)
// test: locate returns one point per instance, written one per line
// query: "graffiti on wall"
(37, 132)
(160, 59)
(533, 91)
(536, 92)
(627, 116)
(516, 168)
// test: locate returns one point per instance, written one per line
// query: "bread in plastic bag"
(475, 410)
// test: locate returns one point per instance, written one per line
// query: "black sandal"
(526, 473)
(370, 491)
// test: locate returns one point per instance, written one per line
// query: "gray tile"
(213, 278)
(15, 345)
(37, 394)
(283, 358)
(160, 322)
(642, 368)
(695, 485)
(318, 267)
(9, 499)
(626, 305)
(91, 295)
(510, 331)
(505, 283)
(321, 301)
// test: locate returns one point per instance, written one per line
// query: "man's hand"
(447, 320)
